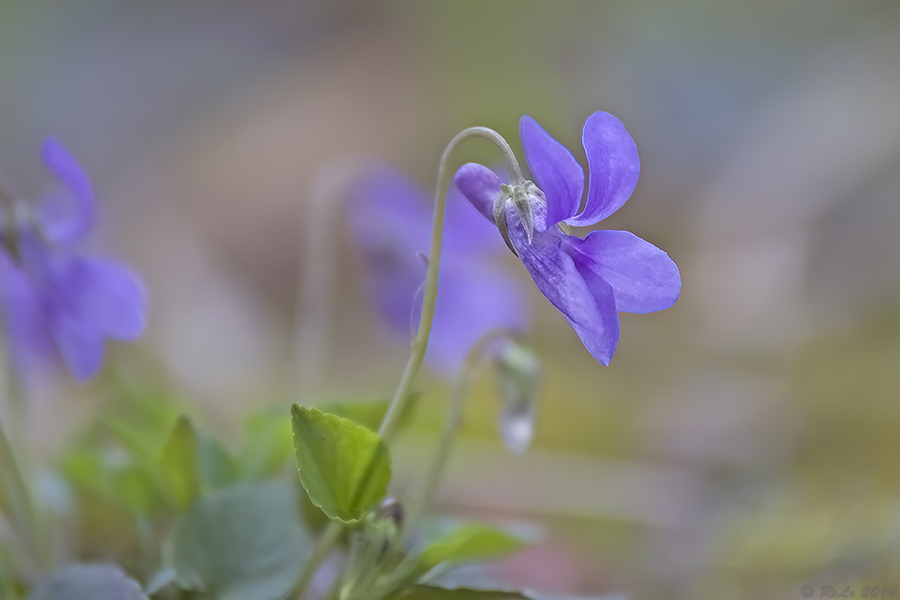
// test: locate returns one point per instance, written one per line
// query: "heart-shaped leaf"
(344, 467)
(88, 582)
(240, 543)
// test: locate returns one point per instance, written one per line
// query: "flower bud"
(518, 376)
(392, 509)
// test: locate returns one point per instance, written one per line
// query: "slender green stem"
(452, 423)
(16, 492)
(323, 547)
(420, 340)
(365, 569)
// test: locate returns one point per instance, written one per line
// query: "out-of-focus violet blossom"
(55, 300)
(589, 280)
(390, 219)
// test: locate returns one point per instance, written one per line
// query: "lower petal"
(643, 277)
(80, 346)
(588, 305)
(104, 296)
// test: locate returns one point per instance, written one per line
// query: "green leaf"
(141, 429)
(88, 582)
(344, 467)
(435, 592)
(240, 543)
(429, 592)
(470, 543)
(268, 443)
(217, 466)
(133, 490)
(84, 467)
(179, 465)
(160, 580)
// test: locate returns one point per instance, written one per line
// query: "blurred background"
(741, 444)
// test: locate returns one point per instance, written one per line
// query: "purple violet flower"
(55, 301)
(390, 219)
(589, 280)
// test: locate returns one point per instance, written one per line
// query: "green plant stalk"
(363, 571)
(452, 423)
(15, 492)
(460, 393)
(420, 341)
(7, 587)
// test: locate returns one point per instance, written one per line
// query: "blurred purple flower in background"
(390, 218)
(589, 280)
(55, 301)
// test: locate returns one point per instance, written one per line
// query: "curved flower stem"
(452, 424)
(420, 340)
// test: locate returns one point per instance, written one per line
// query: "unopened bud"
(390, 508)
(518, 375)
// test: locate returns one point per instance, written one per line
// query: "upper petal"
(642, 276)
(613, 167)
(466, 232)
(589, 308)
(480, 186)
(555, 170)
(64, 166)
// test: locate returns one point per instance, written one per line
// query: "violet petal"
(480, 186)
(588, 306)
(64, 166)
(388, 210)
(465, 230)
(643, 277)
(555, 169)
(107, 295)
(390, 219)
(473, 299)
(80, 345)
(613, 167)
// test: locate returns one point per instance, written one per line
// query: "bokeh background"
(741, 444)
